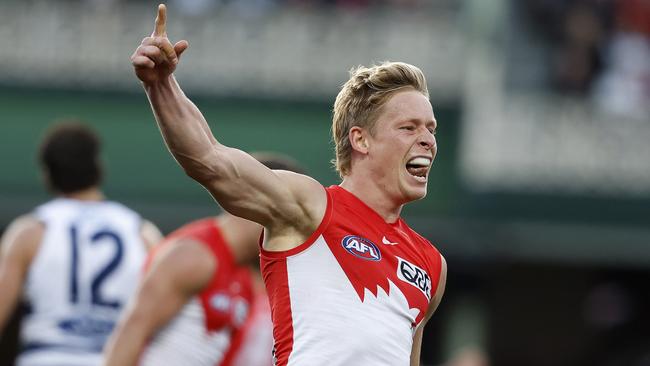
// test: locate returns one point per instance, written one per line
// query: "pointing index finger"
(161, 22)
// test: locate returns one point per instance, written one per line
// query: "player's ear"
(358, 139)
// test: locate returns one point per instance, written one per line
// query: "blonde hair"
(361, 98)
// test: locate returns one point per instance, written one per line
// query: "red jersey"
(201, 332)
(354, 292)
(253, 344)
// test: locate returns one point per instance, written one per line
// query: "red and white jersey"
(354, 292)
(253, 344)
(201, 332)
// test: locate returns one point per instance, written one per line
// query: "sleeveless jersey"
(253, 344)
(201, 332)
(79, 280)
(354, 292)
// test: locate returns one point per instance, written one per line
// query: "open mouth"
(418, 167)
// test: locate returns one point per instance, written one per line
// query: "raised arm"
(179, 272)
(17, 249)
(286, 203)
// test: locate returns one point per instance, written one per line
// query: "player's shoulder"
(61, 207)
(202, 235)
(299, 182)
(27, 224)
(418, 238)
(422, 239)
(404, 226)
(23, 234)
(195, 227)
(121, 208)
(52, 207)
(309, 199)
(124, 214)
(189, 261)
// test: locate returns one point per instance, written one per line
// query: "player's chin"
(414, 189)
(417, 194)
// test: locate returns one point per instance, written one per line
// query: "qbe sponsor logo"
(414, 275)
(361, 247)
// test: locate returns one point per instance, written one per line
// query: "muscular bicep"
(246, 188)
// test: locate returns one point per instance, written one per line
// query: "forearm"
(174, 277)
(126, 344)
(139, 323)
(183, 127)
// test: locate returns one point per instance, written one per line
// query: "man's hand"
(156, 58)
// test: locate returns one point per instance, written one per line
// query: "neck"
(373, 196)
(88, 194)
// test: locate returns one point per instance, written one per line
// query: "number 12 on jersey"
(102, 273)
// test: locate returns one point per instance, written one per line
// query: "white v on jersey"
(85, 271)
(347, 296)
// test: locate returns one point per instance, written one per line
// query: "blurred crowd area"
(596, 49)
(259, 7)
(286, 54)
(556, 98)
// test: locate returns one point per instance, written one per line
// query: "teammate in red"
(251, 345)
(195, 300)
(349, 282)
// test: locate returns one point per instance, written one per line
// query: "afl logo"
(361, 247)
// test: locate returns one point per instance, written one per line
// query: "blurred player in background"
(73, 260)
(253, 344)
(349, 282)
(200, 302)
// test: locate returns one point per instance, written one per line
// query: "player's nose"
(426, 139)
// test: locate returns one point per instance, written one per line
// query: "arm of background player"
(150, 234)
(180, 271)
(240, 184)
(417, 338)
(17, 248)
